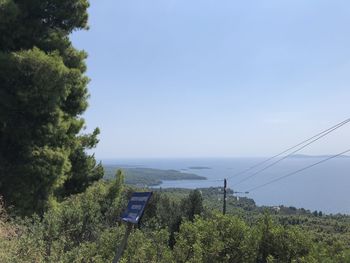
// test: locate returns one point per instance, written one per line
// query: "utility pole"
(225, 186)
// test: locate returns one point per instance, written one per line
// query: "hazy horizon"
(205, 78)
(214, 157)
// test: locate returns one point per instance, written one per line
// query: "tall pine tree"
(43, 93)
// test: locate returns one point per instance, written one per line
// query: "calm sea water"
(325, 187)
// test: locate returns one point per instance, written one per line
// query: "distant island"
(199, 167)
(149, 176)
(317, 156)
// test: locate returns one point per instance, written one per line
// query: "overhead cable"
(289, 149)
(297, 171)
(309, 141)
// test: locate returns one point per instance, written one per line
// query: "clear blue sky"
(179, 78)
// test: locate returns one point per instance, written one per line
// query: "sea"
(324, 187)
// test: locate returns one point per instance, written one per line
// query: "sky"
(179, 78)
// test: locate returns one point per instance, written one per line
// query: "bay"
(325, 187)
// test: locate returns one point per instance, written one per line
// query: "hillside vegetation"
(140, 176)
(178, 226)
(54, 204)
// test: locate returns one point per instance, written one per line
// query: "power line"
(289, 149)
(298, 171)
(311, 140)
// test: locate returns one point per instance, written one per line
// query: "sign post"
(132, 216)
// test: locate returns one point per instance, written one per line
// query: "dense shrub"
(85, 228)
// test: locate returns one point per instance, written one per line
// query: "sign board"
(136, 206)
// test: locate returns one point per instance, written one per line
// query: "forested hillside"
(144, 177)
(54, 204)
(178, 226)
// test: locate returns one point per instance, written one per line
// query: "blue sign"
(136, 206)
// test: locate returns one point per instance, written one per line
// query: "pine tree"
(193, 204)
(43, 93)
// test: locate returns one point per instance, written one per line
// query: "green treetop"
(43, 92)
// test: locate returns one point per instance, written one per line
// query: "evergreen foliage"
(83, 226)
(86, 228)
(43, 93)
(68, 215)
